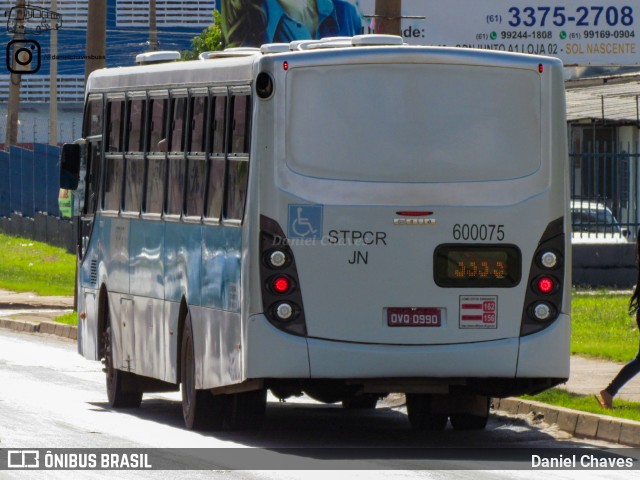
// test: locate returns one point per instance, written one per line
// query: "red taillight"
(285, 65)
(546, 285)
(540, 68)
(281, 285)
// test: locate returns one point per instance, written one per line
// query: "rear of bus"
(408, 222)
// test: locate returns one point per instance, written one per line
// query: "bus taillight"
(277, 259)
(545, 285)
(281, 295)
(545, 292)
(281, 285)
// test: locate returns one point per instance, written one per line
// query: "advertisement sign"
(580, 32)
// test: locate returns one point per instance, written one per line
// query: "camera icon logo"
(23, 56)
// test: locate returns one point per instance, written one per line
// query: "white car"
(593, 222)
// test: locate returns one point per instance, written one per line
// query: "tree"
(209, 40)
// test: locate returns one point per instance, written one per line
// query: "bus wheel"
(466, 421)
(365, 401)
(246, 410)
(118, 397)
(200, 408)
(420, 416)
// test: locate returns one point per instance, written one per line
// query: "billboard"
(580, 32)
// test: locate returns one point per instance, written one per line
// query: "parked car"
(593, 222)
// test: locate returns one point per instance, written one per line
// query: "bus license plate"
(414, 317)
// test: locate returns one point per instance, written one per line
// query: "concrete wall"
(604, 265)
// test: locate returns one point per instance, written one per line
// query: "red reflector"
(281, 284)
(406, 213)
(546, 285)
(285, 65)
(540, 68)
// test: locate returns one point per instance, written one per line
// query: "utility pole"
(388, 17)
(96, 36)
(53, 83)
(153, 29)
(15, 78)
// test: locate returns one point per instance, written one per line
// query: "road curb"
(42, 326)
(574, 422)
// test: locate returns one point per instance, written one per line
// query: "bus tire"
(467, 421)
(420, 416)
(201, 410)
(246, 410)
(115, 378)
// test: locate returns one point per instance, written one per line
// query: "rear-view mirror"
(70, 166)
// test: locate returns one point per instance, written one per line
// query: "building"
(603, 115)
(178, 21)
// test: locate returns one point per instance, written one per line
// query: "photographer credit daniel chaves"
(23, 55)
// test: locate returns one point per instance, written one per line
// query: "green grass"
(29, 266)
(602, 327)
(68, 319)
(562, 398)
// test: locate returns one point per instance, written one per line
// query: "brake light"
(281, 284)
(546, 285)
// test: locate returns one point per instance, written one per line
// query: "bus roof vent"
(229, 53)
(150, 58)
(329, 42)
(376, 40)
(274, 47)
(301, 44)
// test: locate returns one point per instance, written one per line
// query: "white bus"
(343, 218)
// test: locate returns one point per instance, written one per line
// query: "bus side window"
(92, 125)
(114, 162)
(197, 119)
(135, 162)
(216, 152)
(176, 168)
(156, 129)
(196, 163)
(135, 125)
(114, 123)
(178, 113)
(239, 130)
(238, 166)
(93, 116)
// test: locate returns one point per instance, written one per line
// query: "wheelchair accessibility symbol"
(305, 221)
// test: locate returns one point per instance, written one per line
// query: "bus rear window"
(413, 123)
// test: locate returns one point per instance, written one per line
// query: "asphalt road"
(50, 397)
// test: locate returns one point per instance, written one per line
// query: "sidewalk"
(31, 313)
(28, 312)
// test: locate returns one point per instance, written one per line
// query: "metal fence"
(29, 181)
(604, 188)
(29, 186)
(604, 192)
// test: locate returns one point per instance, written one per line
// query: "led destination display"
(477, 266)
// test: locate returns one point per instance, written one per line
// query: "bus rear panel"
(414, 193)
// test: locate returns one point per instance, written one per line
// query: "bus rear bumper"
(495, 368)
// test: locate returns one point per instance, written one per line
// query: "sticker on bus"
(478, 311)
(305, 222)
